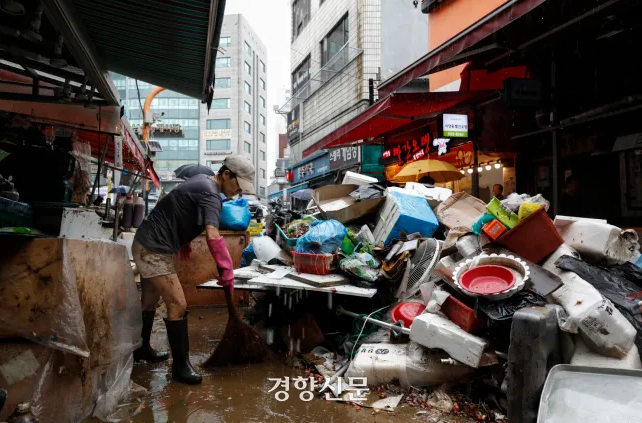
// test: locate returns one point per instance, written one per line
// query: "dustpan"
(419, 268)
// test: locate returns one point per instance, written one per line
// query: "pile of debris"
(415, 287)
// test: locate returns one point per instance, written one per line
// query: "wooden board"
(238, 286)
(202, 268)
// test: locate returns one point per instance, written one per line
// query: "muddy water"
(240, 393)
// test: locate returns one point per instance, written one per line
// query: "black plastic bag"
(505, 309)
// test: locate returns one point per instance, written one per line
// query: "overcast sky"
(270, 19)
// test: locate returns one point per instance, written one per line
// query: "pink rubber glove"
(219, 252)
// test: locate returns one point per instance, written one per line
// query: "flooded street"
(240, 394)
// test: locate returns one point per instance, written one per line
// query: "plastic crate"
(533, 238)
(461, 315)
(317, 264)
(284, 242)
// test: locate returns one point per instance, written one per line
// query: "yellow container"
(255, 228)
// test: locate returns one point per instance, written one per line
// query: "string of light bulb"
(482, 166)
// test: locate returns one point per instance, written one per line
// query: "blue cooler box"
(406, 211)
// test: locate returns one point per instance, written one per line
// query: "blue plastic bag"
(235, 215)
(248, 255)
(324, 237)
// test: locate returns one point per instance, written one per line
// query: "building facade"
(171, 110)
(237, 121)
(335, 51)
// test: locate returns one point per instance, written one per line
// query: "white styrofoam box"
(434, 331)
(590, 237)
(358, 179)
(436, 193)
(584, 357)
(605, 330)
(410, 364)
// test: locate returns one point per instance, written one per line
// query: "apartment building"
(237, 121)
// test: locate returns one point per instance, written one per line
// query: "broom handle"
(229, 299)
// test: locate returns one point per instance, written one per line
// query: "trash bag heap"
(408, 289)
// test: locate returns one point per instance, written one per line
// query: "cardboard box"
(460, 210)
(335, 202)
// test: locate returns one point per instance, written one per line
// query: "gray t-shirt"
(181, 216)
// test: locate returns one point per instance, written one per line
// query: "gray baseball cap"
(242, 167)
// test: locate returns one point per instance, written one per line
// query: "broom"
(241, 344)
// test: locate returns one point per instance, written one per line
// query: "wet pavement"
(240, 393)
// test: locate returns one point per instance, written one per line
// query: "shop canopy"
(394, 112)
(171, 44)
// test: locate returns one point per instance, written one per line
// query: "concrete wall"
(401, 20)
(448, 20)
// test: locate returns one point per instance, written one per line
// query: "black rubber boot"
(146, 352)
(182, 369)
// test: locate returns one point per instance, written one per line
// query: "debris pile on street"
(400, 297)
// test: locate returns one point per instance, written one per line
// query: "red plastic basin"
(488, 279)
(406, 312)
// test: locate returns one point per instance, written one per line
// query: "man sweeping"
(188, 210)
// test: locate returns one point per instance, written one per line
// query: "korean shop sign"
(344, 156)
(407, 151)
(311, 169)
(453, 126)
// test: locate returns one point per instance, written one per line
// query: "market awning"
(290, 190)
(393, 112)
(462, 47)
(171, 44)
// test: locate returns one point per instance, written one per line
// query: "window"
(219, 124)
(262, 102)
(247, 107)
(222, 82)
(262, 119)
(262, 66)
(223, 62)
(262, 84)
(213, 145)
(248, 49)
(300, 16)
(248, 68)
(247, 147)
(262, 137)
(248, 128)
(300, 76)
(262, 191)
(333, 43)
(221, 103)
(262, 155)
(263, 173)
(248, 88)
(225, 42)
(214, 166)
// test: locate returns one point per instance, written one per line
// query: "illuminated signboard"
(453, 126)
(409, 151)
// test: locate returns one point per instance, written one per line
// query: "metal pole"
(116, 221)
(100, 161)
(475, 189)
(554, 144)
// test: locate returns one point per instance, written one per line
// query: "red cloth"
(219, 252)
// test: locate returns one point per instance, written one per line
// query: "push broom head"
(241, 344)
